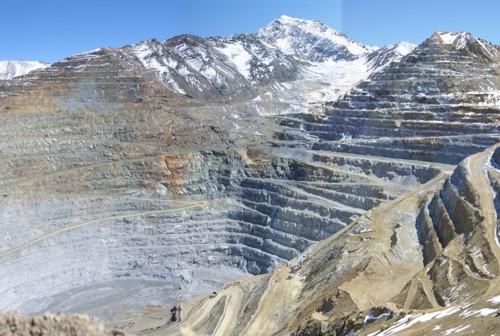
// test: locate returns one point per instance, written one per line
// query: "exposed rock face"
(190, 65)
(250, 69)
(392, 256)
(256, 211)
(257, 61)
(311, 40)
(437, 104)
(148, 175)
(52, 325)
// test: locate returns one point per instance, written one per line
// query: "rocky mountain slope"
(311, 40)
(136, 196)
(438, 103)
(255, 72)
(426, 263)
(11, 69)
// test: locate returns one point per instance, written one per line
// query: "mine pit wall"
(278, 206)
(437, 105)
(495, 183)
(254, 211)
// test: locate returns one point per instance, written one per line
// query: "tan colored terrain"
(341, 284)
(52, 325)
(208, 209)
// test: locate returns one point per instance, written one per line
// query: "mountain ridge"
(10, 69)
(244, 65)
(378, 277)
(369, 210)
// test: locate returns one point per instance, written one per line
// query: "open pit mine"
(287, 182)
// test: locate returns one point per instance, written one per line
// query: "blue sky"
(53, 29)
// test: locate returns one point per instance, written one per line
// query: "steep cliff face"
(390, 262)
(148, 174)
(189, 221)
(437, 104)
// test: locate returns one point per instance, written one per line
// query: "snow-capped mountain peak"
(311, 39)
(287, 55)
(459, 40)
(382, 57)
(11, 69)
(285, 66)
(464, 40)
(404, 48)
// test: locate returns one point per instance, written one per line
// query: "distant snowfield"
(330, 79)
(11, 69)
(240, 57)
(295, 36)
(340, 76)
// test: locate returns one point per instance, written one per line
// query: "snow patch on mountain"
(152, 56)
(382, 57)
(474, 45)
(459, 40)
(330, 79)
(311, 39)
(239, 56)
(288, 61)
(338, 77)
(404, 48)
(11, 69)
(145, 52)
